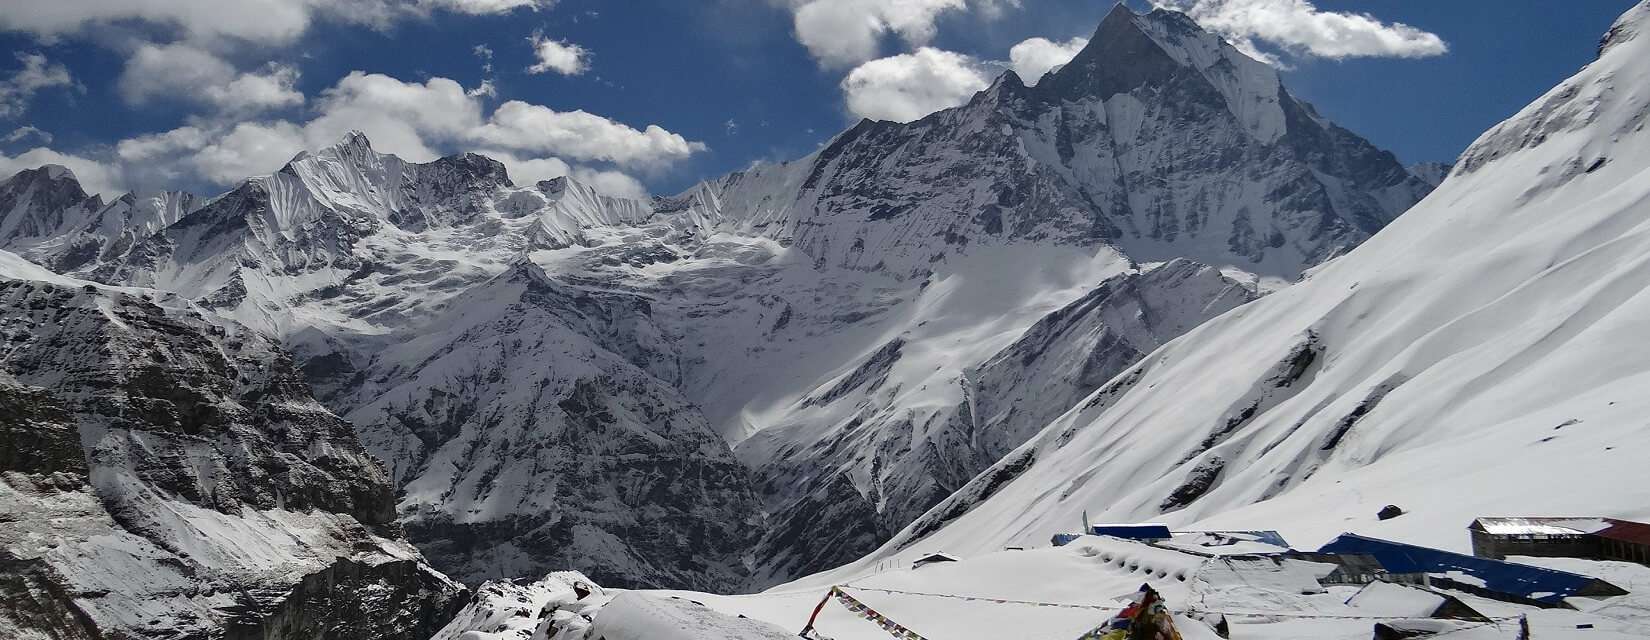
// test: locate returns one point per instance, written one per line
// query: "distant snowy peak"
(1158, 139)
(351, 176)
(1129, 52)
(41, 203)
(1432, 173)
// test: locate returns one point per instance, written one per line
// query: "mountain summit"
(1158, 138)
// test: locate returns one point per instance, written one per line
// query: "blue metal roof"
(1546, 586)
(1133, 531)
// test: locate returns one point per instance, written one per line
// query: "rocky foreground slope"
(167, 476)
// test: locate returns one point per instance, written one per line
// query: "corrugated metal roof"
(1539, 526)
(1531, 583)
(1626, 531)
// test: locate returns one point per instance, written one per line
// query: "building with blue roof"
(1144, 532)
(1489, 578)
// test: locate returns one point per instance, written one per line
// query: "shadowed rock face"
(523, 469)
(159, 470)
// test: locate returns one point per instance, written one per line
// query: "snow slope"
(1063, 592)
(1483, 354)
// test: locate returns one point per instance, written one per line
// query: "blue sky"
(225, 93)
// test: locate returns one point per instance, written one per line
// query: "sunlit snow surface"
(1484, 355)
(1062, 592)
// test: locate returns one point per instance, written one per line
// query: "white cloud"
(584, 136)
(524, 171)
(419, 122)
(909, 86)
(1301, 28)
(37, 73)
(25, 132)
(407, 118)
(558, 56)
(248, 149)
(1037, 56)
(613, 183)
(840, 33)
(269, 22)
(487, 7)
(95, 177)
(181, 72)
(160, 145)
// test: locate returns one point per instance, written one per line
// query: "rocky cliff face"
(512, 467)
(166, 476)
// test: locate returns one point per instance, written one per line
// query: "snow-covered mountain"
(554, 378)
(1483, 354)
(47, 217)
(1158, 142)
(169, 476)
(1159, 138)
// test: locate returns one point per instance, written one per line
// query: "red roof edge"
(1626, 531)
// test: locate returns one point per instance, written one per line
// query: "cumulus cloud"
(180, 72)
(1301, 28)
(909, 86)
(37, 74)
(1037, 56)
(581, 135)
(94, 176)
(558, 56)
(841, 33)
